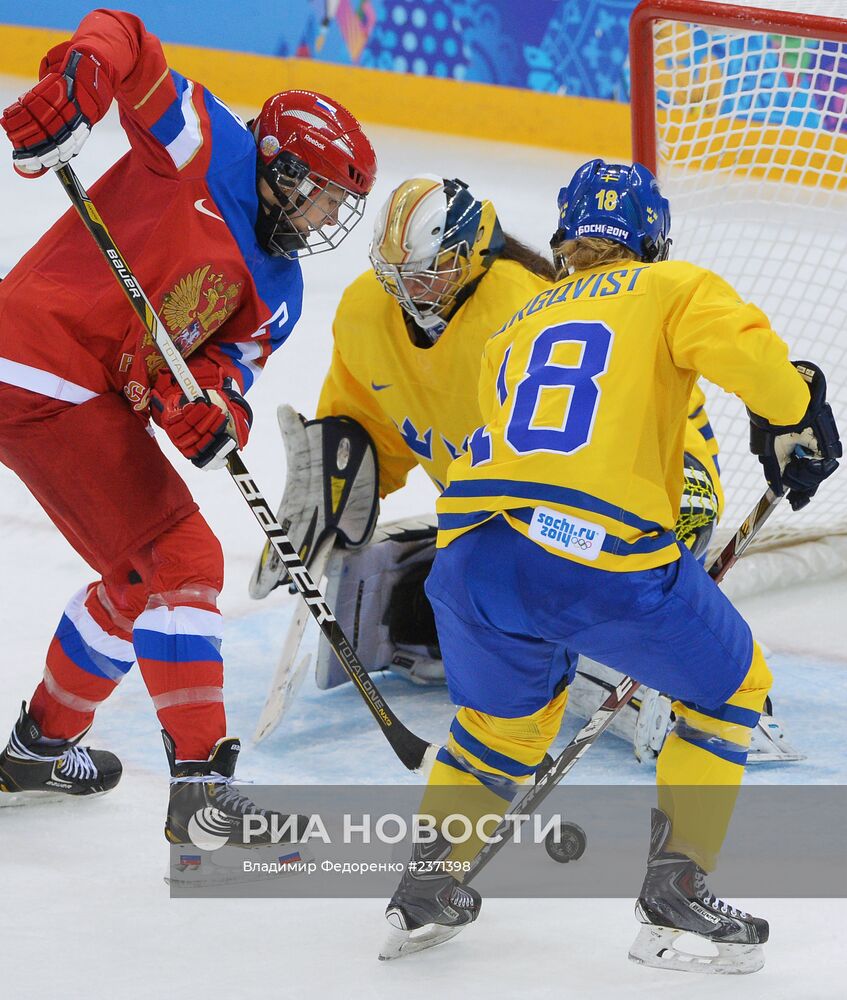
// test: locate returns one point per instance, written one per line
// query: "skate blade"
(201, 871)
(768, 744)
(209, 879)
(399, 943)
(37, 798)
(668, 948)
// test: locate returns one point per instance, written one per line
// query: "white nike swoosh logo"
(200, 208)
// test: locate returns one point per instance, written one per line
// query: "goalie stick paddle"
(410, 748)
(616, 700)
(291, 670)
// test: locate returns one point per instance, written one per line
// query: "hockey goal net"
(741, 111)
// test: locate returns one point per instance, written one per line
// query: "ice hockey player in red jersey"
(212, 214)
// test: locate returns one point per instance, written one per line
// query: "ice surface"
(83, 909)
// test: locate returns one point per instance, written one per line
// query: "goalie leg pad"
(331, 489)
(377, 596)
(643, 722)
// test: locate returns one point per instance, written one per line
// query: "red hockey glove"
(207, 430)
(48, 125)
(52, 62)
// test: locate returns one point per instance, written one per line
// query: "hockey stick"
(289, 676)
(622, 694)
(411, 749)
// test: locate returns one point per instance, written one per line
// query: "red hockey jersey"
(181, 205)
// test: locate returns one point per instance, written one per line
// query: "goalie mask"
(314, 169)
(433, 241)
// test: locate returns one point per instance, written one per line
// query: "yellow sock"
(483, 766)
(701, 765)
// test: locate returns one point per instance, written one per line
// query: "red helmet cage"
(318, 163)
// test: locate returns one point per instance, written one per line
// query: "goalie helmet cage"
(741, 112)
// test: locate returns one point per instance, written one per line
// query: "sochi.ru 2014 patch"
(566, 533)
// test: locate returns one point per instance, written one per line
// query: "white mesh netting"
(752, 153)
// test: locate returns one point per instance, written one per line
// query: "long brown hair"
(531, 259)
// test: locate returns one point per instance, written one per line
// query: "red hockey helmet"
(317, 166)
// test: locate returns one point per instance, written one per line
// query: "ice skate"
(205, 787)
(205, 812)
(686, 927)
(34, 771)
(428, 907)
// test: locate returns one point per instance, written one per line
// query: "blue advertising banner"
(573, 47)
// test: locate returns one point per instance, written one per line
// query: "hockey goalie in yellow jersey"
(408, 338)
(556, 536)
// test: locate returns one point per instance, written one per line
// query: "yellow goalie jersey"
(419, 405)
(584, 395)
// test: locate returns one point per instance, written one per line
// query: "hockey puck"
(570, 845)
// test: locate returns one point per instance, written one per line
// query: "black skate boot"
(429, 906)
(207, 812)
(675, 901)
(31, 770)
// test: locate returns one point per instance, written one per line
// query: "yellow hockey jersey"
(419, 405)
(584, 395)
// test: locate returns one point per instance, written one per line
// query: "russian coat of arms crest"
(194, 308)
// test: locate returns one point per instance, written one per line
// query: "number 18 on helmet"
(615, 202)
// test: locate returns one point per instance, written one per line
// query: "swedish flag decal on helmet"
(616, 202)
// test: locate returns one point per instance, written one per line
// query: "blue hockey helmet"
(615, 202)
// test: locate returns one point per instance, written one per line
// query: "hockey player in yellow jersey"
(409, 375)
(556, 534)
(405, 364)
(408, 338)
(407, 342)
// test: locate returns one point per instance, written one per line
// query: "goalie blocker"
(331, 489)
